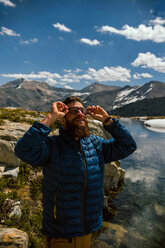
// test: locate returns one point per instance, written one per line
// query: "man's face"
(79, 118)
(75, 121)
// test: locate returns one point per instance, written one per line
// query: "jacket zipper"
(84, 189)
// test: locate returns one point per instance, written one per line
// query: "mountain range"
(145, 100)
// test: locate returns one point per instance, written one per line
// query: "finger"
(91, 113)
(93, 108)
(61, 106)
(101, 109)
(58, 103)
(65, 111)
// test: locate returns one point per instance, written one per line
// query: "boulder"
(114, 175)
(116, 233)
(10, 132)
(12, 208)
(13, 238)
(2, 168)
(96, 128)
(7, 155)
(159, 209)
(119, 236)
(10, 171)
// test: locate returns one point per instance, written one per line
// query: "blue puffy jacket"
(73, 175)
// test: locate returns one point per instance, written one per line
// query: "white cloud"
(105, 74)
(70, 78)
(8, 3)
(155, 31)
(67, 71)
(34, 40)
(46, 74)
(8, 31)
(149, 60)
(61, 27)
(32, 75)
(26, 42)
(51, 81)
(142, 75)
(85, 76)
(158, 20)
(110, 74)
(90, 42)
(77, 70)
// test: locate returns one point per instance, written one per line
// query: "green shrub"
(16, 183)
(35, 188)
(24, 172)
(1, 121)
(18, 115)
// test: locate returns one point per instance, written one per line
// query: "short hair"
(72, 99)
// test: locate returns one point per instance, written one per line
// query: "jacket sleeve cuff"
(42, 128)
(110, 127)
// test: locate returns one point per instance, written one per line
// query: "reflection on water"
(141, 204)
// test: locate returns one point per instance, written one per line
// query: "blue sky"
(74, 43)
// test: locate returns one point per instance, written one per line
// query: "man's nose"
(79, 112)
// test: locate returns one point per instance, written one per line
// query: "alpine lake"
(139, 219)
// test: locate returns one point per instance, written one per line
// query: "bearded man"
(73, 169)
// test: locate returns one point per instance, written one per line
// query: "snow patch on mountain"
(19, 86)
(123, 94)
(131, 95)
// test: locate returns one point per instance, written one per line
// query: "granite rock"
(13, 238)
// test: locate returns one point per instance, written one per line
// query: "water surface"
(141, 204)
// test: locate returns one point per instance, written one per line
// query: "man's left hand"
(97, 113)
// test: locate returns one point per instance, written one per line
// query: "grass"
(35, 186)
(1, 122)
(26, 188)
(23, 116)
(18, 115)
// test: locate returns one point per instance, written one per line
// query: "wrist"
(48, 120)
(108, 121)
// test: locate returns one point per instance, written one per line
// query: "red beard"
(76, 131)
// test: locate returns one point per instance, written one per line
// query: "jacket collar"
(68, 138)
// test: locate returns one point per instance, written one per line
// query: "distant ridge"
(123, 101)
(146, 107)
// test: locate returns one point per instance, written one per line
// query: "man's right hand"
(59, 110)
